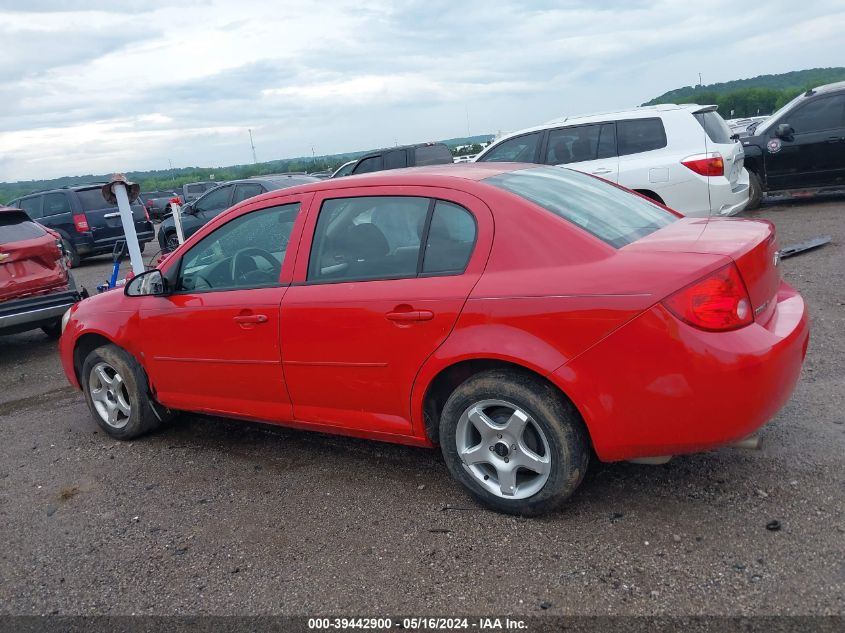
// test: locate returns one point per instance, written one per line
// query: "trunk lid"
(751, 244)
(717, 138)
(104, 218)
(30, 260)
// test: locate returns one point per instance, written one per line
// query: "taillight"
(718, 302)
(710, 164)
(80, 222)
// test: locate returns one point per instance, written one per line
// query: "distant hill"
(796, 81)
(756, 96)
(165, 179)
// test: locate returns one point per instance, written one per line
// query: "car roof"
(641, 112)
(429, 175)
(382, 150)
(839, 85)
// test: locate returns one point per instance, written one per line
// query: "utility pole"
(699, 80)
(466, 108)
(172, 175)
(254, 159)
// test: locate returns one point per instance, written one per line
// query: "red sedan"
(521, 318)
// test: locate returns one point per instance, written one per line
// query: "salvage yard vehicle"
(386, 306)
(87, 224)
(681, 156)
(195, 214)
(417, 155)
(801, 147)
(36, 288)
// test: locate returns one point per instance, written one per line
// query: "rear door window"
(245, 191)
(451, 238)
(432, 155)
(396, 159)
(55, 203)
(521, 149)
(611, 214)
(32, 206)
(715, 127)
(580, 143)
(640, 135)
(368, 238)
(16, 227)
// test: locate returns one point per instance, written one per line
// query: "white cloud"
(103, 86)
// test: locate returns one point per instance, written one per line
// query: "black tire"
(54, 329)
(171, 241)
(550, 413)
(755, 194)
(145, 415)
(73, 258)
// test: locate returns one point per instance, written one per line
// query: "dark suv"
(197, 213)
(398, 157)
(87, 224)
(801, 147)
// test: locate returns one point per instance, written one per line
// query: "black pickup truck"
(800, 148)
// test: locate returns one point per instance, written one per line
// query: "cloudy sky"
(117, 85)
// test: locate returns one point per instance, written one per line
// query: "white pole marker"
(128, 222)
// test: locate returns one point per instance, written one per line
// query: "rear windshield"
(16, 226)
(608, 212)
(715, 126)
(92, 199)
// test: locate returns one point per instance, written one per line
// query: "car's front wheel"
(118, 393)
(172, 241)
(514, 442)
(755, 193)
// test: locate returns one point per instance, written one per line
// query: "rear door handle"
(411, 316)
(833, 139)
(603, 170)
(116, 214)
(250, 318)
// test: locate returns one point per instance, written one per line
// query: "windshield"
(612, 214)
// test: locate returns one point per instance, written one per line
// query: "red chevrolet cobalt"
(520, 317)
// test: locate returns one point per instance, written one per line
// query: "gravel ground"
(220, 517)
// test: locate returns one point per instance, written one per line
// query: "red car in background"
(522, 318)
(35, 286)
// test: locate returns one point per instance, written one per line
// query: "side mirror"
(149, 283)
(784, 131)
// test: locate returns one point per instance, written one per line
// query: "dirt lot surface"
(222, 517)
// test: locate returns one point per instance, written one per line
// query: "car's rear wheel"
(514, 442)
(72, 258)
(755, 193)
(118, 394)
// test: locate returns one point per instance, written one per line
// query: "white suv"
(680, 155)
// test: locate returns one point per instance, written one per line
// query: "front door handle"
(250, 318)
(603, 170)
(833, 139)
(410, 316)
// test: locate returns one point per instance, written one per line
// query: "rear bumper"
(727, 199)
(34, 312)
(660, 387)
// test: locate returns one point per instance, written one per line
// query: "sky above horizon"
(103, 86)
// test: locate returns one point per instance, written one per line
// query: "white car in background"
(679, 155)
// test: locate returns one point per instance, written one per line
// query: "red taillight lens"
(80, 222)
(719, 302)
(705, 164)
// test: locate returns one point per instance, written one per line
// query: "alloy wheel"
(109, 395)
(503, 448)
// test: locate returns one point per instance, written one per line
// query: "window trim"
(420, 256)
(178, 266)
(230, 187)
